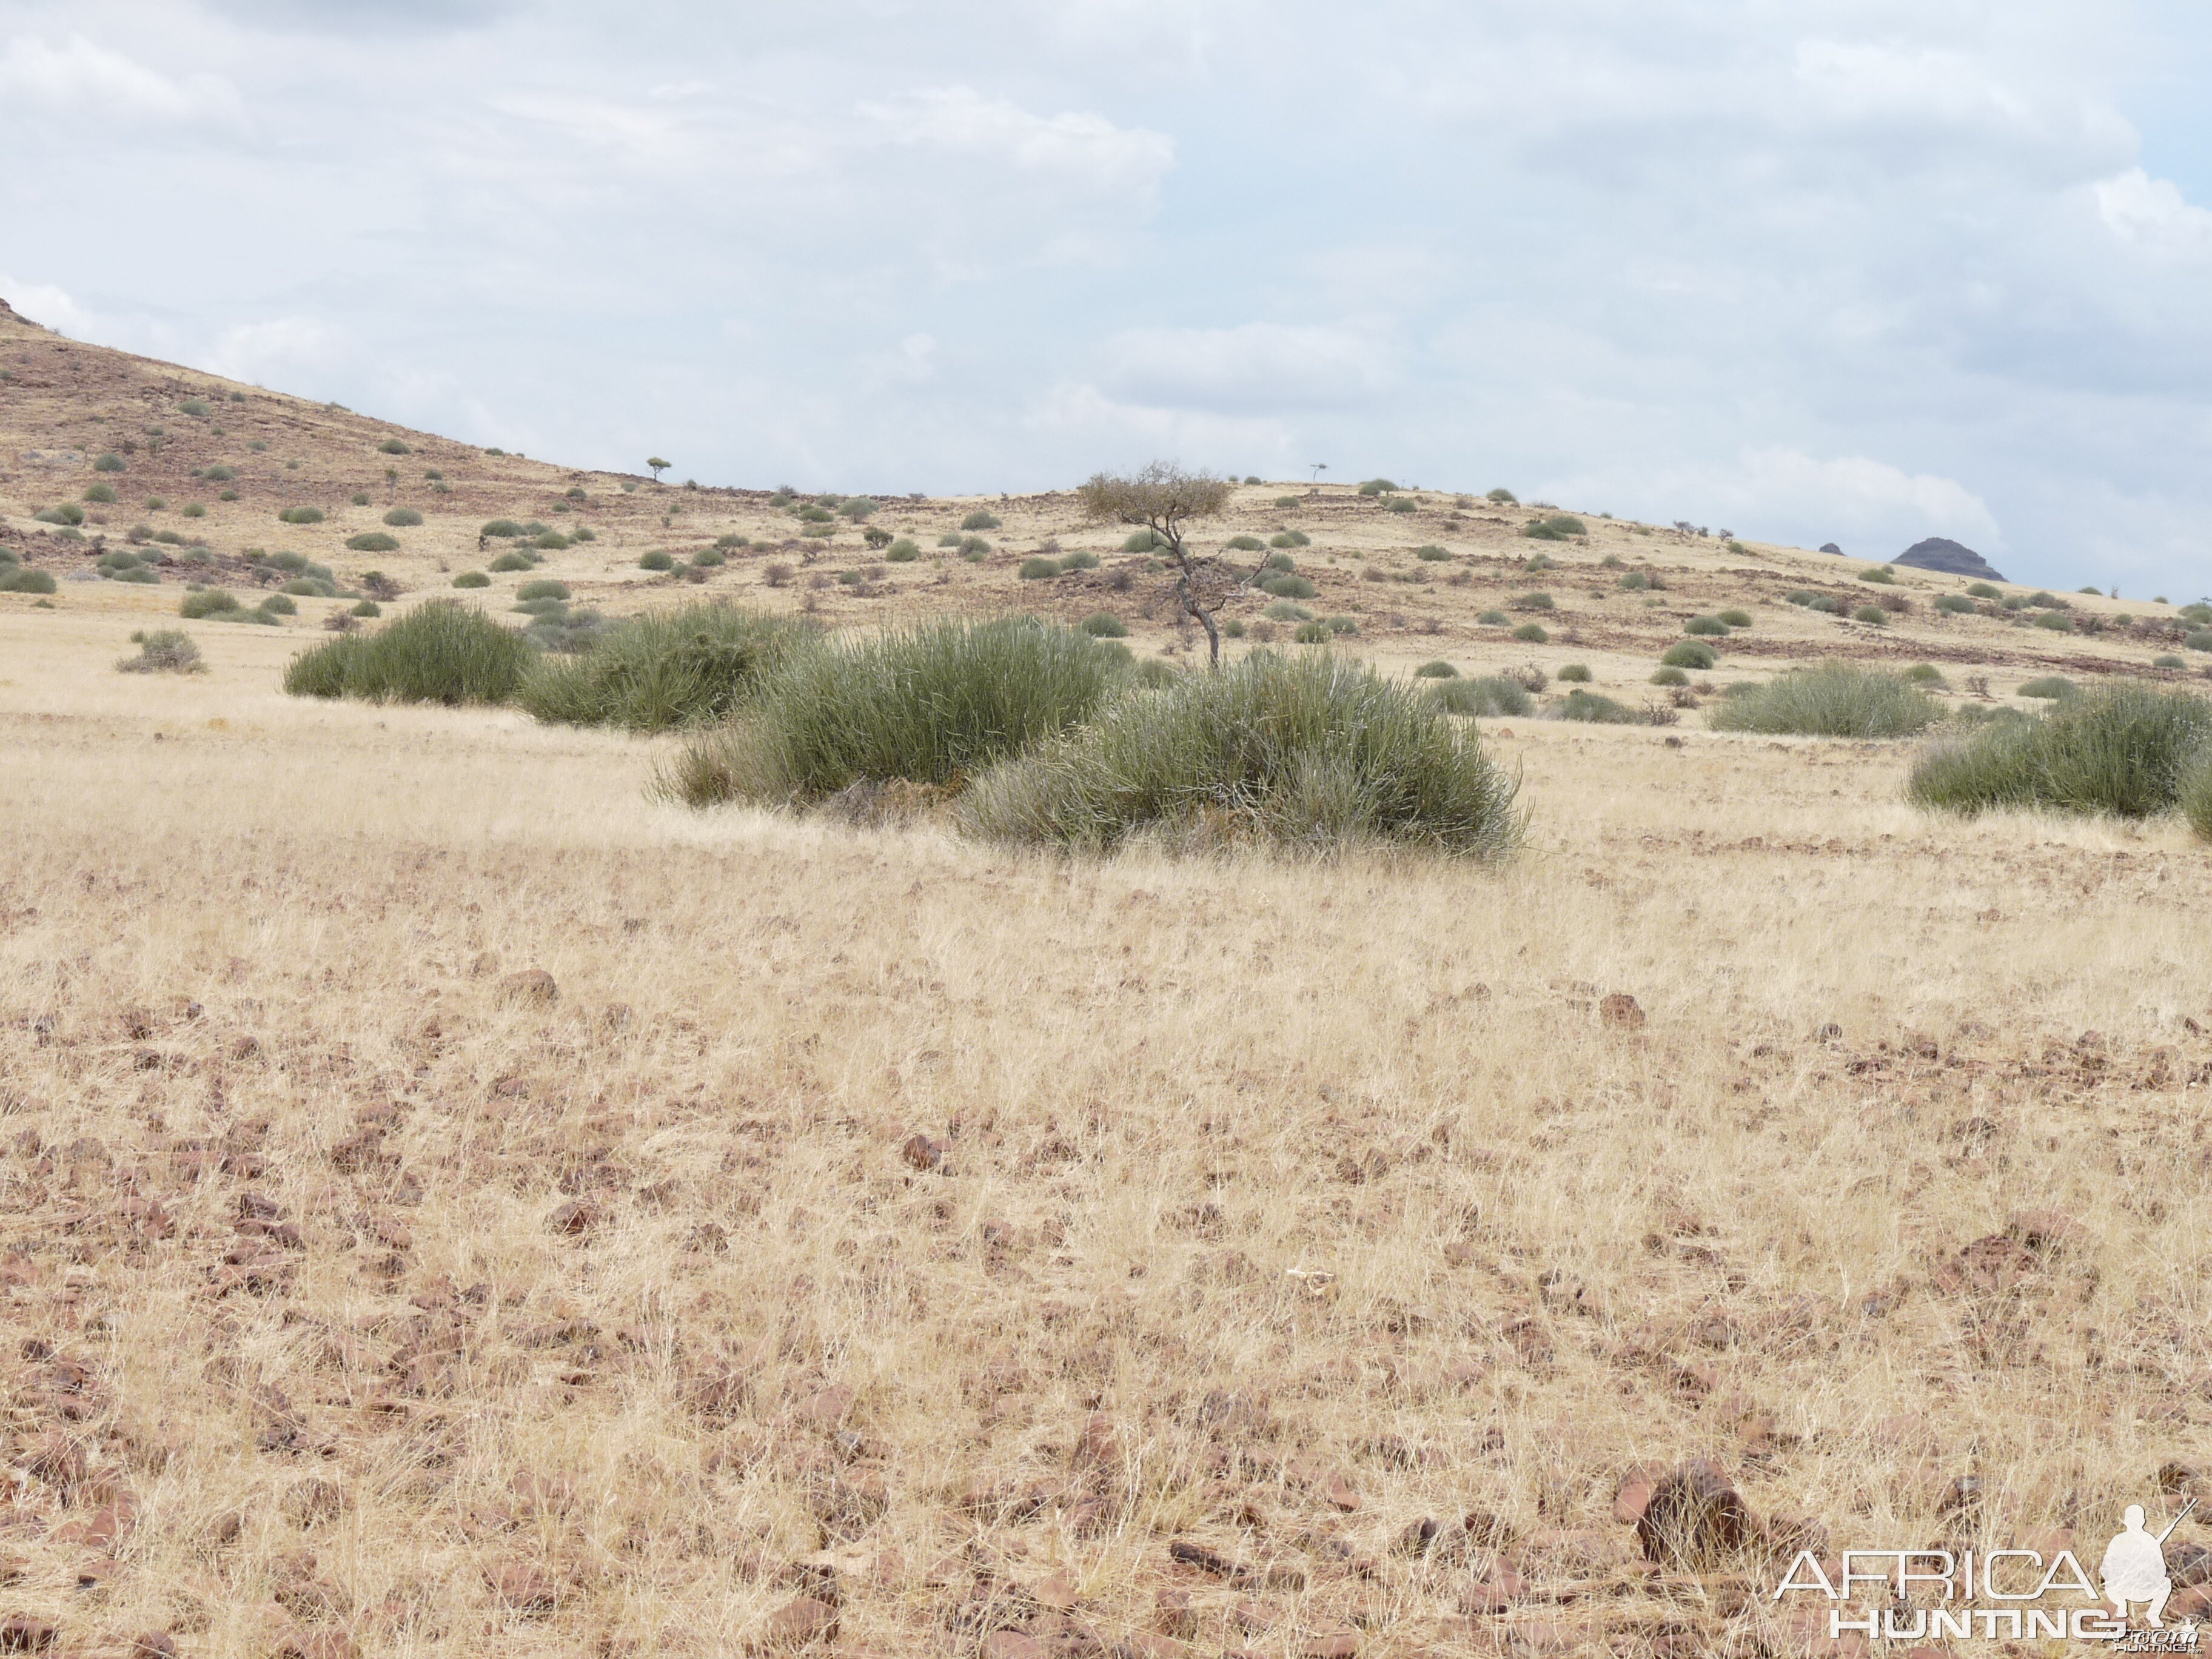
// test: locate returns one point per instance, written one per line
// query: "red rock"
(525, 1589)
(1621, 1011)
(1146, 1644)
(1695, 1519)
(577, 1215)
(24, 1634)
(153, 1644)
(827, 1407)
(1099, 1446)
(923, 1153)
(1330, 1644)
(1338, 1492)
(1057, 1592)
(802, 1622)
(1633, 1494)
(532, 985)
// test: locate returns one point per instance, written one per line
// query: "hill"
(453, 1202)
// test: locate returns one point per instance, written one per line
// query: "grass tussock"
(1309, 752)
(933, 704)
(664, 669)
(2125, 750)
(439, 652)
(1836, 700)
(163, 651)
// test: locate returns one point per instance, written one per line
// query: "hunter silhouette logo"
(2004, 1593)
(2133, 1567)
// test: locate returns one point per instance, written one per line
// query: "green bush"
(67, 513)
(1532, 633)
(208, 602)
(501, 529)
(1689, 653)
(856, 507)
(366, 608)
(277, 604)
(2200, 640)
(1575, 671)
(1287, 587)
(2049, 688)
(1312, 633)
(1706, 627)
(545, 587)
(1288, 610)
(1925, 674)
(1530, 602)
(194, 407)
(1954, 605)
(373, 541)
(442, 651)
(974, 548)
(100, 494)
(1341, 624)
(1314, 752)
(2200, 614)
(21, 579)
(1494, 619)
(359, 498)
(1038, 569)
(1078, 561)
(2122, 750)
(1438, 670)
(1247, 544)
(1290, 538)
(2057, 620)
(402, 518)
(1985, 591)
(1871, 613)
(1104, 625)
(1286, 501)
(1670, 677)
(552, 540)
(392, 446)
(1284, 562)
(979, 520)
(1636, 582)
(1140, 541)
(656, 560)
(1432, 554)
(473, 579)
(163, 651)
(301, 514)
(2195, 793)
(1835, 700)
(1399, 504)
(1581, 705)
(664, 669)
(1376, 487)
(904, 550)
(1503, 497)
(933, 704)
(1555, 527)
(507, 563)
(309, 587)
(1881, 573)
(194, 510)
(108, 464)
(134, 573)
(1734, 618)
(2169, 660)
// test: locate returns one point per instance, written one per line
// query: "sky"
(1811, 271)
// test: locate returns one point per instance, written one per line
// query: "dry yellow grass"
(1311, 1184)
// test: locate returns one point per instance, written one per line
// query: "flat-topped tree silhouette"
(656, 466)
(1166, 498)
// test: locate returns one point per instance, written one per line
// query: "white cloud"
(2153, 213)
(1082, 149)
(47, 304)
(285, 354)
(1131, 434)
(81, 76)
(1252, 367)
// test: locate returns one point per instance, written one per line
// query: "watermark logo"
(2012, 1595)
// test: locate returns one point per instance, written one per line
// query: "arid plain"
(452, 1202)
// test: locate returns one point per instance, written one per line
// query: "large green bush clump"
(2124, 749)
(1312, 751)
(1486, 694)
(934, 703)
(442, 650)
(1836, 700)
(665, 668)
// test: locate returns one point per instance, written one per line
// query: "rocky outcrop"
(1948, 556)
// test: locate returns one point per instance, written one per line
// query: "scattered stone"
(577, 1216)
(153, 1644)
(1173, 1612)
(922, 1153)
(1633, 1495)
(24, 1634)
(1340, 1493)
(801, 1622)
(1331, 1645)
(1621, 1011)
(532, 985)
(1695, 1520)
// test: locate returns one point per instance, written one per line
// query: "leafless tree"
(1165, 499)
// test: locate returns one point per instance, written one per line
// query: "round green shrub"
(1581, 705)
(1870, 613)
(904, 550)
(373, 541)
(278, 604)
(208, 602)
(1555, 527)
(1437, 670)
(100, 494)
(1504, 498)
(1432, 554)
(707, 558)
(108, 464)
(1401, 504)
(1881, 574)
(2124, 749)
(21, 579)
(439, 652)
(392, 446)
(657, 560)
(359, 498)
(1735, 618)
(1954, 604)
(1494, 619)
(2169, 660)
(1286, 501)
(544, 587)
(473, 579)
(2057, 620)
(1289, 539)
(2201, 639)
(194, 510)
(979, 520)
(1706, 627)
(1835, 700)
(1247, 544)
(1104, 625)
(402, 518)
(1689, 653)
(1287, 587)
(1312, 633)
(296, 514)
(1376, 487)
(1288, 610)
(1078, 561)
(1140, 541)
(1038, 569)
(220, 474)
(1924, 673)
(366, 608)
(1533, 632)
(2049, 687)
(1574, 671)
(510, 562)
(1635, 581)
(1670, 677)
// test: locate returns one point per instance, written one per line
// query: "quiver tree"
(1165, 499)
